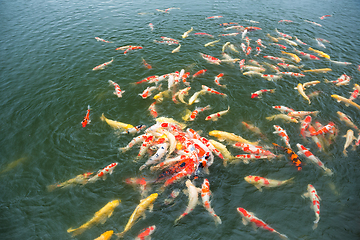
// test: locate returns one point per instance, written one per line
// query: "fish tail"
(178, 219)
(102, 117)
(120, 235)
(272, 90)
(51, 188)
(326, 81)
(291, 180)
(328, 172)
(217, 219)
(282, 236)
(76, 231)
(345, 153)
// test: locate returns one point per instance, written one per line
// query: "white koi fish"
(102, 40)
(176, 49)
(162, 150)
(102, 66)
(349, 138)
(304, 151)
(193, 199)
(211, 43)
(315, 202)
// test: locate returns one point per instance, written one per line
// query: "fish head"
(249, 179)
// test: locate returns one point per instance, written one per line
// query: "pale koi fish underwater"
(170, 120)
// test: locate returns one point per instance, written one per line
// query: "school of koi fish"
(182, 155)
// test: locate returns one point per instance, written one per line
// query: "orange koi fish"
(292, 155)
(86, 119)
(148, 66)
(118, 92)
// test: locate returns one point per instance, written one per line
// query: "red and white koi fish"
(217, 80)
(260, 182)
(289, 66)
(283, 34)
(257, 94)
(212, 17)
(248, 51)
(102, 66)
(210, 90)
(211, 59)
(124, 47)
(342, 80)
(320, 44)
(243, 47)
(323, 40)
(279, 45)
(172, 196)
(147, 79)
(304, 151)
(315, 199)
(152, 110)
(145, 233)
(238, 27)
(181, 93)
(289, 21)
(201, 72)
(141, 183)
(132, 48)
(204, 34)
(166, 42)
(118, 92)
(283, 109)
(249, 148)
(226, 24)
(249, 217)
(292, 74)
(193, 199)
(307, 55)
(242, 64)
(317, 24)
(247, 39)
(215, 116)
(151, 26)
(322, 17)
(228, 34)
(205, 196)
(169, 39)
(282, 133)
(304, 125)
(246, 157)
(325, 129)
(341, 63)
(299, 41)
(148, 91)
(274, 58)
(86, 119)
(347, 120)
(102, 173)
(102, 40)
(315, 138)
(196, 112)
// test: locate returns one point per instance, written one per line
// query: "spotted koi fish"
(215, 116)
(304, 151)
(283, 34)
(217, 80)
(282, 133)
(86, 119)
(260, 182)
(315, 199)
(205, 196)
(258, 93)
(102, 66)
(248, 217)
(118, 92)
(145, 233)
(102, 173)
(325, 129)
(196, 111)
(304, 125)
(210, 90)
(292, 155)
(211, 59)
(132, 48)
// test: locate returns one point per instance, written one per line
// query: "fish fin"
(103, 220)
(76, 231)
(315, 226)
(143, 216)
(305, 195)
(283, 236)
(254, 226)
(258, 187)
(291, 180)
(244, 221)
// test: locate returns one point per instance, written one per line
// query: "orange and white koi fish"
(307, 55)
(304, 151)
(325, 129)
(347, 120)
(210, 90)
(249, 217)
(200, 72)
(102, 66)
(103, 172)
(251, 28)
(277, 44)
(79, 179)
(289, 66)
(118, 92)
(299, 41)
(282, 116)
(322, 17)
(246, 157)
(213, 17)
(217, 80)
(345, 100)
(260, 182)
(204, 34)
(349, 139)
(283, 34)
(148, 91)
(211, 59)
(259, 42)
(102, 40)
(180, 94)
(341, 63)
(317, 24)
(172, 196)
(283, 109)
(282, 133)
(315, 138)
(249, 148)
(302, 113)
(86, 119)
(215, 116)
(205, 196)
(193, 199)
(145, 233)
(315, 202)
(186, 34)
(300, 89)
(132, 48)
(271, 77)
(293, 56)
(152, 110)
(292, 74)
(289, 21)
(274, 58)
(342, 80)
(258, 94)
(147, 79)
(99, 217)
(124, 47)
(248, 50)
(139, 212)
(105, 236)
(148, 66)
(151, 26)
(196, 111)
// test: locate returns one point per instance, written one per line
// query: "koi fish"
(194, 97)
(321, 70)
(293, 56)
(347, 120)
(304, 125)
(213, 17)
(176, 49)
(116, 124)
(215, 116)
(307, 55)
(325, 129)
(231, 137)
(253, 129)
(133, 48)
(253, 149)
(226, 24)
(283, 34)
(13, 164)
(124, 47)
(342, 63)
(349, 138)
(166, 42)
(315, 199)
(271, 77)
(217, 80)
(228, 34)
(118, 92)
(139, 182)
(102, 173)
(211, 43)
(320, 44)
(260, 182)
(148, 66)
(105, 236)
(79, 179)
(196, 111)
(320, 53)
(145, 233)
(211, 59)
(86, 119)
(299, 41)
(289, 21)
(279, 45)
(204, 34)
(253, 68)
(138, 212)
(148, 79)
(302, 113)
(246, 157)
(300, 89)
(152, 110)
(322, 17)
(205, 196)
(283, 109)
(252, 28)
(210, 90)
(134, 130)
(292, 155)
(200, 72)
(282, 116)
(282, 133)
(148, 91)
(102, 40)
(186, 34)
(151, 26)
(312, 83)
(304, 151)
(169, 39)
(345, 100)
(317, 24)
(272, 38)
(99, 217)
(102, 66)
(249, 217)
(274, 58)
(193, 199)
(292, 74)
(258, 94)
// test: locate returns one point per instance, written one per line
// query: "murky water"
(48, 50)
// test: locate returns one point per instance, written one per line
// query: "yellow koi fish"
(301, 89)
(349, 139)
(176, 49)
(100, 217)
(224, 46)
(115, 124)
(79, 179)
(320, 53)
(345, 100)
(13, 164)
(321, 70)
(187, 33)
(138, 212)
(221, 135)
(223, 150)
(194, 97)
(160, 96)
(282, 116)
(272, 38)
(211, 43)
(293, 56)
(105, 236)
